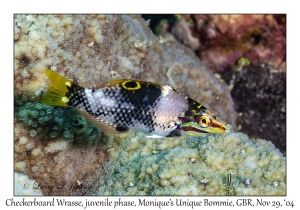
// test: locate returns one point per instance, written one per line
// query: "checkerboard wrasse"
(122, 105)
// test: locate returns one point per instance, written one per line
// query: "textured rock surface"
(193, 166)
(60, 165)
(55, 145)
(224, 39)
(264, 116)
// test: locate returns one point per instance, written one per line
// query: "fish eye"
(204, 121)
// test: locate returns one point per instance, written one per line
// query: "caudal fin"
(56, 94)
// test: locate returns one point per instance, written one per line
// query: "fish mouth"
(217, 127)
(196, 130)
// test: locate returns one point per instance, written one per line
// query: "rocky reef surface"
(193, 166)
(59, 148)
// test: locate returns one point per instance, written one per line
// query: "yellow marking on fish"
(138, 85)
(182, 114)
(65, 99)
(68, 84)
(166, 89)
(199, 106)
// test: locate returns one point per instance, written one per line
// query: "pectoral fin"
(104, 127)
